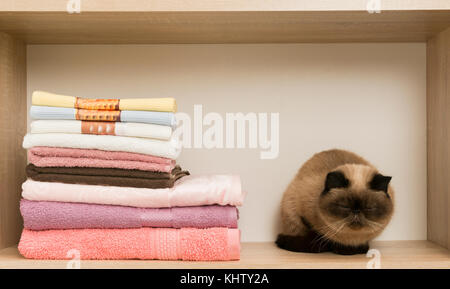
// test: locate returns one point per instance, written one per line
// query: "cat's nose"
(356, 211)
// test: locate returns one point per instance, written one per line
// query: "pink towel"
(72, 157)
(57, 215)
(187, 191)
(212, 244)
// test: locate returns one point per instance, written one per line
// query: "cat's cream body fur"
(301, 198)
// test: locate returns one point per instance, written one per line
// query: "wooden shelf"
(234, 21)
(24, 22)
(394, 254)
(229, 5)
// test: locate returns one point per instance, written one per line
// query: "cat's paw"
(291, 243)
(350, 250)
(282, 241)
(304, 244)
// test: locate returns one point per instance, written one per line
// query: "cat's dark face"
(356, 198)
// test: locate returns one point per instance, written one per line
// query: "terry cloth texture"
(212, 244)
(105, 176)
(70, 157)
(58, 215)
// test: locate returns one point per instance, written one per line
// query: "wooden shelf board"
(223, 26)
(394, 254)
(229, 5)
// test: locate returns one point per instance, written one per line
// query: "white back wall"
(368, 98)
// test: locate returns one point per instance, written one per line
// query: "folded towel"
(70, 157)
(154, 104)
(63, 113)
(57, 215)
(187, 191)
(134, 129)
(166, 149)
(105, 176)
(211, 244)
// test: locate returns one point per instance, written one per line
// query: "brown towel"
(106, 176)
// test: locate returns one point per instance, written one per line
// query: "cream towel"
(102, 128)
(167, 149)
(153, 104)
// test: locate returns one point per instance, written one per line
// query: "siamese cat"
(337, 202)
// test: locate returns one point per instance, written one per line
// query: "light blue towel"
(155, 117)
(50, 112)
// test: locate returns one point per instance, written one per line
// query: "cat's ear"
(380, 183)
(335, 180)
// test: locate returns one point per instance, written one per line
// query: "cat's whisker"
(334, 233)
(323, 234)
(333, 230)
(374, 224)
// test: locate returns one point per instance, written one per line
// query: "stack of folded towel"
(103, 180)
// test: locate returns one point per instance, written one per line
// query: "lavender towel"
(43, 215)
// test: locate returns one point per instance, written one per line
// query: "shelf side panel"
(438, 138)
(13, 120)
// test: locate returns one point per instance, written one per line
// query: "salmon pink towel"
(72, 157)
(187, 191)
(188, 244)
(56, 215)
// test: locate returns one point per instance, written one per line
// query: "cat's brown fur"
(310, 216)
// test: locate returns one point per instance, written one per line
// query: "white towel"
(187, 191)
(160, 148)
(133, 129)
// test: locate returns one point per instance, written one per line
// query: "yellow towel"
(155, 104)
(50, 99)
(152, 104)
